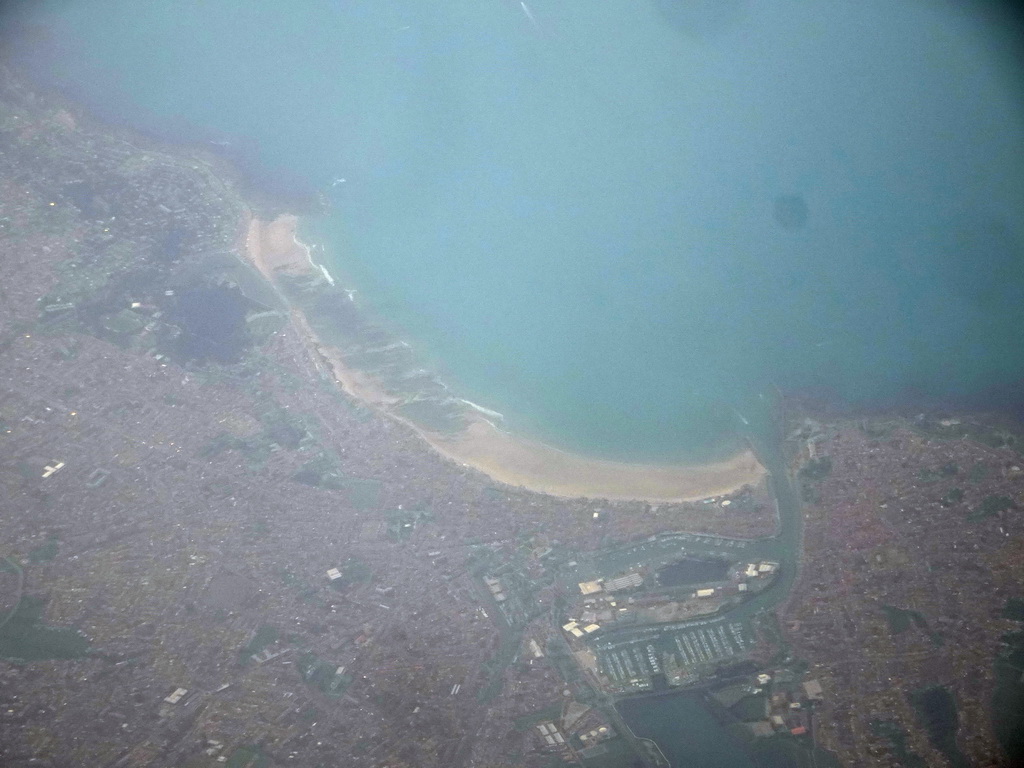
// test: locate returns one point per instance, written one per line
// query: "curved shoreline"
(519, 461)
(516, 461)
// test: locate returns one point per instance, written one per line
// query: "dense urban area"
(211, 555)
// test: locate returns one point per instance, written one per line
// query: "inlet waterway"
(681, 724)
(685, 731)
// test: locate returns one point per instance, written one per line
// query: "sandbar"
(272, 246)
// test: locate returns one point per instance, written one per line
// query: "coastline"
(540, 467)
(275, 250)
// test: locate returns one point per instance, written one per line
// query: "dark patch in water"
(692, 570)
(790, 211)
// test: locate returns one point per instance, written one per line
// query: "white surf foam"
(485, 411)
(312, 261)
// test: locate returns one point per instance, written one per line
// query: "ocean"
(622, 225)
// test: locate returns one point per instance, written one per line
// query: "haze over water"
(619, 223)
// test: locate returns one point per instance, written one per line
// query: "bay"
(621, 225)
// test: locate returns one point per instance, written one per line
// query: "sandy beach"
(273, 248)
(539, 467)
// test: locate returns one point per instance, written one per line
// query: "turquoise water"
(621, 224)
